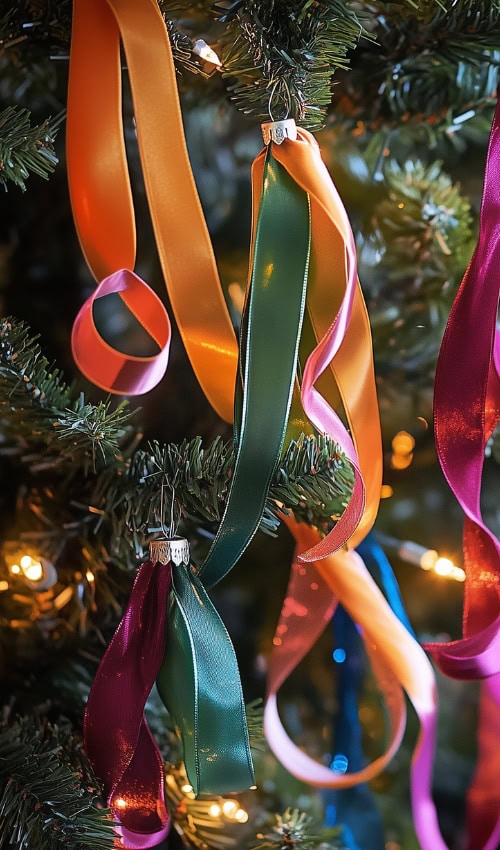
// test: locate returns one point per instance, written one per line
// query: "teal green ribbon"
(199, 680)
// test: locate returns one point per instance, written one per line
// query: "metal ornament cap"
(168, 550)
(278, 131)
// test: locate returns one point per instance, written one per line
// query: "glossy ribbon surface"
(199, 679)
(102, 201)
(117, 737)
(199, 683)
(399, 663)
(466, 410)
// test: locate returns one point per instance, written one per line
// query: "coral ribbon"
(117, 737)
(466, 410)
(398, 662)
(103, 210)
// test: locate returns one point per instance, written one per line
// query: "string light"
(38, 573)
(214, 810)
(429, 559)
(205, 52)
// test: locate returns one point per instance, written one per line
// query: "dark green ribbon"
(199, 680)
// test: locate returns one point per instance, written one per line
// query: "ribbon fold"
(117, 737)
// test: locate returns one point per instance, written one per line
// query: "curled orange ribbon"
(103, 210)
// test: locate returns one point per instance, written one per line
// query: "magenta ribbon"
(466, 410)
(117, 738)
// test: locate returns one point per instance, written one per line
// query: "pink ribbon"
(117, 738)
(466, 410)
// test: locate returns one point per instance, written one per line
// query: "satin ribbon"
(347, 746)
(399, 663)
(342, 358)
(466, 410)
(102, 205)
(207, 706)
(117, 737)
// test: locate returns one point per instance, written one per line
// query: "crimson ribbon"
(117, 738)
(466, 411)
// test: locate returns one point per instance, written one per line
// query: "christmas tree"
(108, 462)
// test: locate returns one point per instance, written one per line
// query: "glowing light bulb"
(15, 569)
(214, 810)
(32, 569)
(443, 566)
(204, 51)
(229, 808)
(241, 816)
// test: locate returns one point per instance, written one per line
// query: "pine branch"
(282, 55)
(422, 233)
(42, 801)
(291, 831)
(40, 410)
(125, 494)
(190, 483)
(433, 64)
(23, 148)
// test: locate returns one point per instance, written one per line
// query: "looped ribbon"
(320, 575)
(117, 738)
(466, 411)
(103, 211)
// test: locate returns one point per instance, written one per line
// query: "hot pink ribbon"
(466, 410)
(117, 738)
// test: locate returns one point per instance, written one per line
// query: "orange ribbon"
(103, 210)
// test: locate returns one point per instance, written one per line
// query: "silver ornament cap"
(168, 550)
(278, 131)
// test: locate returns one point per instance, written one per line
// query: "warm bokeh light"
(89, 575)
(386, 491)
(241, 816)
(403, 443)
(120, 803)
(214, 810)
(29, 568)
(401, 461)
(229, 808)
(186, 789)
(4, 585)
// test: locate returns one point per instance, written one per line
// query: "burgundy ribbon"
(466, 410)
(117, 738)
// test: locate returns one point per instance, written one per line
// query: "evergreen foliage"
(43, 802)
(282, 56)
(23, 148)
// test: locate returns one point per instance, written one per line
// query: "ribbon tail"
(270, 334)
(200, 685)
(343, 357)
(117, 738)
